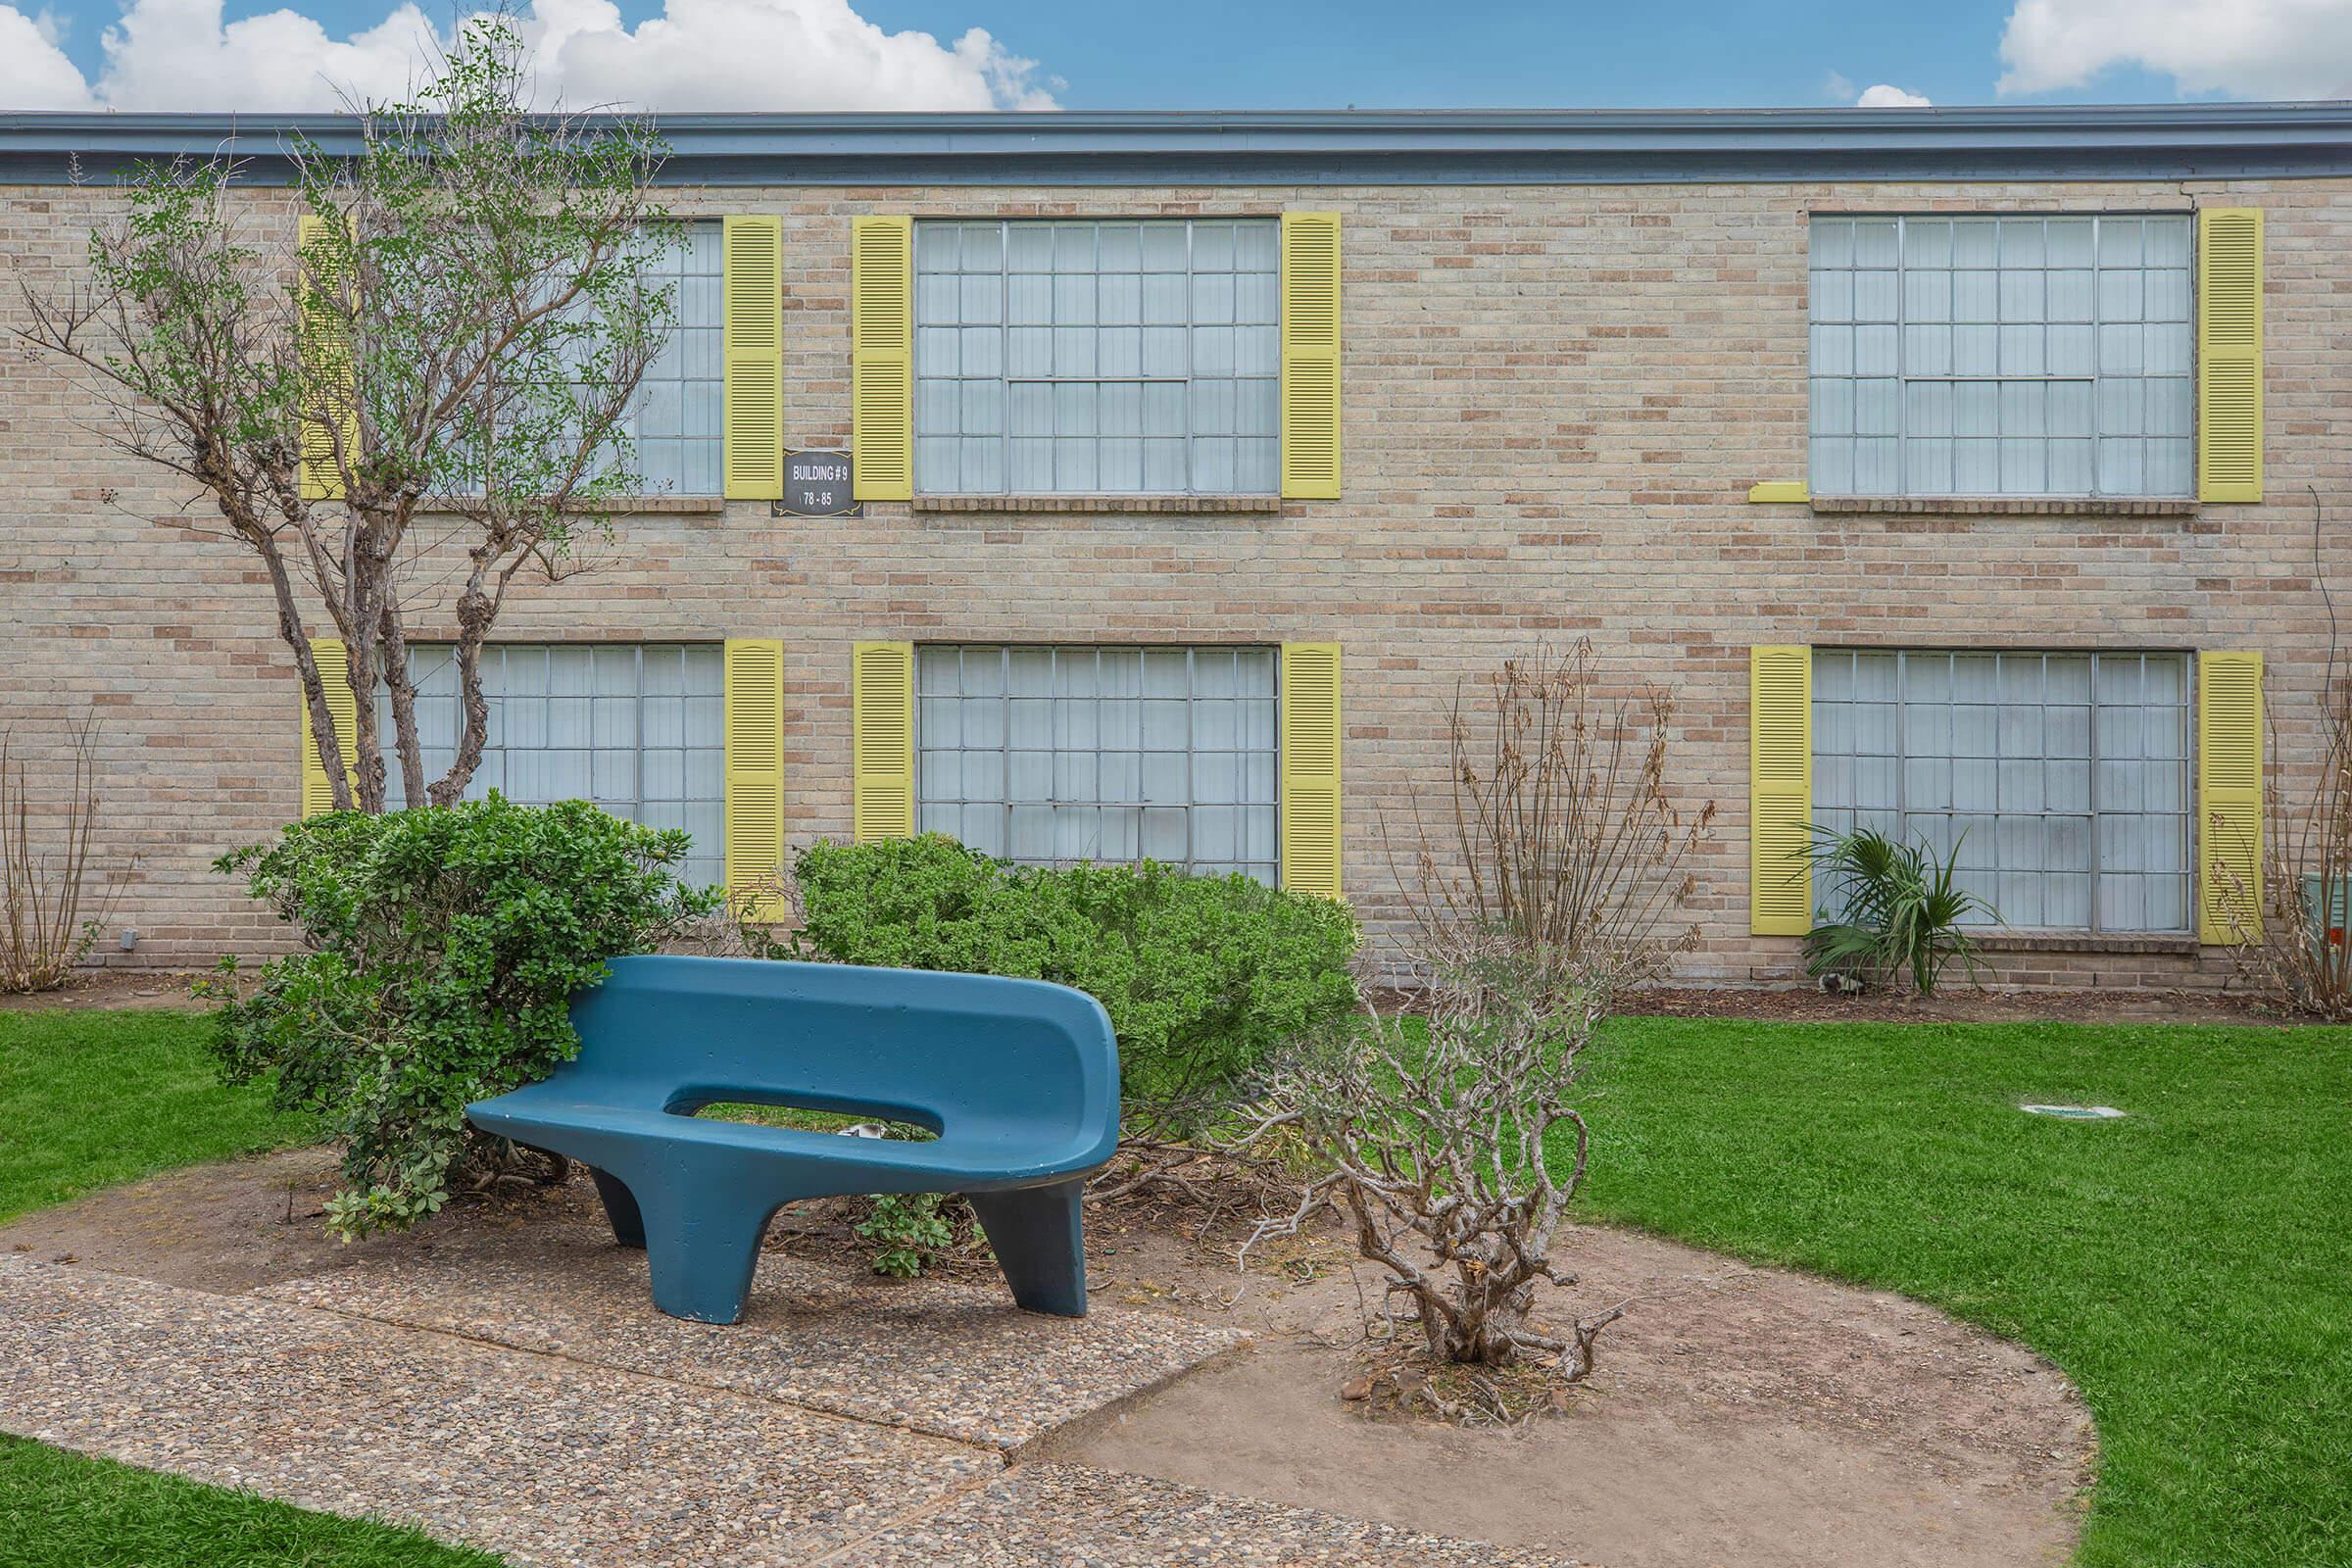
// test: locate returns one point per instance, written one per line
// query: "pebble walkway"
(531, 1403)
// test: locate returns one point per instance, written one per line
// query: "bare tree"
(438, 364)
(1453, 1141)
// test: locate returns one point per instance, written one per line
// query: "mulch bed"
(1959, 1004)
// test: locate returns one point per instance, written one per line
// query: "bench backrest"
(911, 1044)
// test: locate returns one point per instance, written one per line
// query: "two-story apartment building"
(1963, 473)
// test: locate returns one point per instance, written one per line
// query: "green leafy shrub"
(1898, 907)
(1203, 976)
(442, 946)
(906, 1230)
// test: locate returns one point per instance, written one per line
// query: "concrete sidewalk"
(529, 1401)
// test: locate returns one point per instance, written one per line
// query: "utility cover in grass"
(2074, 1112)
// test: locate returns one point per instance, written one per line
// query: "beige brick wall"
(1555, 401)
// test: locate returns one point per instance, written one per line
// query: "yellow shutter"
(2229, 796)
(753, 316)
(334, 675)
(325, 349)
(1310, 356)
(1311, 768)
(2229, 354)
(882, 740)
(754, 773)
(1780, 800)
(882, 357)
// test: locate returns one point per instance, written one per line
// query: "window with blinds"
(1053, 755)
(2028, 356)
(1098, 358)
(677, 419)
(637, 728)
(2063, 777)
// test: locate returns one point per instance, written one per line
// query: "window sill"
(637, 507)
(668, 506)
(2087, 941)
(2011, 506)
(1146, 505)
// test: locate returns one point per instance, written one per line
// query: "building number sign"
(819, 484)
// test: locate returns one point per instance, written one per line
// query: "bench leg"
(621, 1208)
(1039, 1244)
(702, 1258)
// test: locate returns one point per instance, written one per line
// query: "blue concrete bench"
(1018, 1078)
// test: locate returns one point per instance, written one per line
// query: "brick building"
(1953, 470)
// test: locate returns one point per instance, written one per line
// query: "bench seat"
(1018, 1079)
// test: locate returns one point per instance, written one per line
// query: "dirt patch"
(96, 989)
(1739, 1415)
(243, 1224)
(1955, 1004)
(111, 990)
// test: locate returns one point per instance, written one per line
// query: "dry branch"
(50, 912)
(1454, 1142)
(459, 336)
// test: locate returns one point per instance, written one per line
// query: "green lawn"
(2189, 1268)
(89, 1100)
(68, 1512)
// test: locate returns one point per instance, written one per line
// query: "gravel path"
(597, 1433)
(545, 1460)
(1070, 1515)
(953, 1360)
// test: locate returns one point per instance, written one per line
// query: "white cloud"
(698, 53)
(35, 73)
(2245, 48)
(1885, 95)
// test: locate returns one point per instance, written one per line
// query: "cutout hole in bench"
(893, 1121)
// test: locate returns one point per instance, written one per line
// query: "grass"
(2189, 1267)
(89, 1100)
(68, 1512)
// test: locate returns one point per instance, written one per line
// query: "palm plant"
(1900, 908)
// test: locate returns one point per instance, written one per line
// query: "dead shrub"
(1560, 838)
(50, 909)
(1453, 1141)
(2294, 929)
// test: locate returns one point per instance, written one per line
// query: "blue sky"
(1101, 54)
(1385, 53)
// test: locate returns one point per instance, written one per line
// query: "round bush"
(442, 946)
(1203, 976)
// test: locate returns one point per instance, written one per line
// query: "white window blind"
(2002, 356)
(637, 728)
(1049, 756)
(677, 419)
(1098, 358)
(2064, 778)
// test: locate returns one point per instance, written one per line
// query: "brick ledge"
(2005, 506)
(639, 506)
(2085, 942)
(1158, 504)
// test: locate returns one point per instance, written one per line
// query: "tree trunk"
(477, 609)
(314, 687)
(405, 745)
